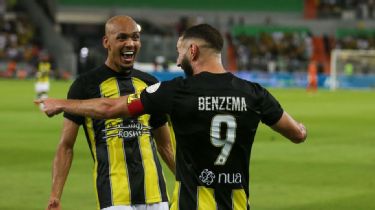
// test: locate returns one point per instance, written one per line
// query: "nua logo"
(207, 177)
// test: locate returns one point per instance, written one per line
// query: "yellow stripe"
(91, 136)
(172, 136)
(152, 188)
(206, 200)
(239, 199)
(116, 155)
(175, 198)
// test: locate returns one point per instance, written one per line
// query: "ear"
(105, 42)
(194, 52)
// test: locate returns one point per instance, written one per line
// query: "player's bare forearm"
(99, 108)
(291, 129)
(164, 146)
(62, 163)
(60, 170)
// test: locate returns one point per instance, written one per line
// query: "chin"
(127, 65)
(126, 69)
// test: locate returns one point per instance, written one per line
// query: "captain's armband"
(135, 106)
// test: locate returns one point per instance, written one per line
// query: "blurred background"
(282, 44)
(272, 42)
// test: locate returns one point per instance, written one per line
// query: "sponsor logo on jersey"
(129, 131)
(153, 88)
(208, 177)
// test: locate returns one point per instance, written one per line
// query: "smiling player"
(127, 171)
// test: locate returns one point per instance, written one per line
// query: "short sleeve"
(158, 120)
(76, 91)
(158, 98)
(271, 110)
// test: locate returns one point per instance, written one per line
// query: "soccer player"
(215, 116)
(42, 76)
(312, 77)
(127, 171)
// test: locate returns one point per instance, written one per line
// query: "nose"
(129, 43)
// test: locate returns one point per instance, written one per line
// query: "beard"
(186, 66)
(126, 70)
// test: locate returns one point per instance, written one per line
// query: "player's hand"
(50, 106)
(54, 204)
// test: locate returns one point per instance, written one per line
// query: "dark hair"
(207, 33)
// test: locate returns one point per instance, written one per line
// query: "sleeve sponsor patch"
(153, 88)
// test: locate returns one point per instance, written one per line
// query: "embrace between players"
(213, 116)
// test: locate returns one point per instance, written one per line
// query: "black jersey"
(126, 168)
(214, 117)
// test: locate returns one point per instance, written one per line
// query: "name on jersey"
(221, 103)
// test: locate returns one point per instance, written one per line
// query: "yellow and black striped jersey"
(214, 118)
(126, 167)
(43, 71)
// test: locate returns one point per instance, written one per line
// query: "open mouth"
(128, 56)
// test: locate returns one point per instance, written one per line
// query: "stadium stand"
(19, 43)
(261, 36)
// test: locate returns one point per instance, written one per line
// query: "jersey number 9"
(223, 126)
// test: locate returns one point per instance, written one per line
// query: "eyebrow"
(128, 34)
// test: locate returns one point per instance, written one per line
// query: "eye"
(122, 37)
(136, 37)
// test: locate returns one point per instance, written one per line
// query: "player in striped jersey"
(44, 69)
(127, 171)
(215, 116)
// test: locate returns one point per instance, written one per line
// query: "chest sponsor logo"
(127, 131)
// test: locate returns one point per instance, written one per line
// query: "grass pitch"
(333, 170)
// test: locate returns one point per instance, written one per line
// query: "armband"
(135, 107)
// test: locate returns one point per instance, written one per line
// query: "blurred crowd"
(356, 42)
(20, 48)
(347, 9)
(294, 51)
(277, 51)
(286, 50)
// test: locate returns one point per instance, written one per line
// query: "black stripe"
(133, 154)
(135, 171)
(187, 198)
(224, 199)
(103, 183)
(88, 141)
(162, 185)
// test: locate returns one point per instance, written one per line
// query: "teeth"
(128, 53)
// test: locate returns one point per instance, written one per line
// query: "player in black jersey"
(127, 171)
(215, 116)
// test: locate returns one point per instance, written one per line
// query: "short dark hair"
(207, 33)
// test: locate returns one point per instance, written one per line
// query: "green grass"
(333, 170)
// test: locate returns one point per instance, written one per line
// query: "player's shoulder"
(246, 85)
(177, 81)
(85, 78)
(145, 77)
(90, 73)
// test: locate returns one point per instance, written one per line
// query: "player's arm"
(164, 146)
(290, 128)
(62, 162)
(98, 108)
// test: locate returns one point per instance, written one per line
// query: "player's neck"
(209, 65)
